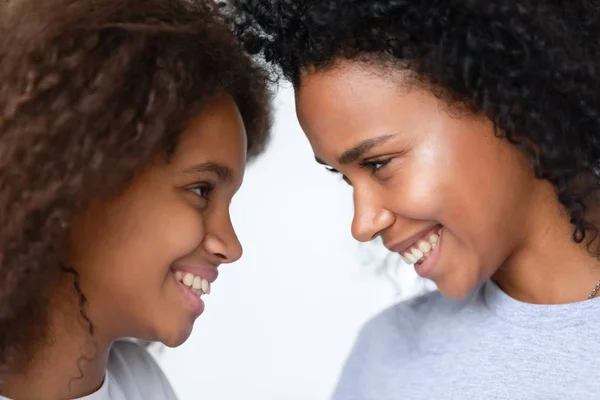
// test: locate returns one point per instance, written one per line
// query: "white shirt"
(132, 374)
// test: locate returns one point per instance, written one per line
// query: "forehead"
(216, 133)
(349, 103)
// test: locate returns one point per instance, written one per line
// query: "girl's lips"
(202, 277)
(194, 302)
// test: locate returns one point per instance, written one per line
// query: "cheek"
(420, 184)
(134, 246)
(175, 234)
(476, 185)
(483, 188)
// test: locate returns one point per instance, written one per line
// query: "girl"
(469, 132)
(125, 127)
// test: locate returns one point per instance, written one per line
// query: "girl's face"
(146, 256)
(437, 186)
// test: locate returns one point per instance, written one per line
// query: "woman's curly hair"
(530, 67)
(89, 91)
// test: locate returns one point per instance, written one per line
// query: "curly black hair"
(531, 67)
(89, 91)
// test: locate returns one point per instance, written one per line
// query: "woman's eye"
(201, 190)
(375, 165)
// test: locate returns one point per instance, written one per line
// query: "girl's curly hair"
(89, 90)
(530, 67)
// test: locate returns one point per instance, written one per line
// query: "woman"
(470, 133)
(125, 127)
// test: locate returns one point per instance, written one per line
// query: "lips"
(195, 278)
(197, 284)
(194, 282)
(420, 250)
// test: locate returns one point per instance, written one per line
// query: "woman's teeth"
(419, 251)
(197, 284)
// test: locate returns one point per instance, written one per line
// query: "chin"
(456, 290)
(176, 336)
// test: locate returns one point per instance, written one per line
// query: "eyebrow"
(222, 172)
(353, 154)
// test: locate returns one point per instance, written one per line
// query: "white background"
(280, 323)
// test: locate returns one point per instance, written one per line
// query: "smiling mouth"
(422, 248)
(196, 284)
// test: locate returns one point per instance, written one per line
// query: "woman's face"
(146, 257)
(437, 186)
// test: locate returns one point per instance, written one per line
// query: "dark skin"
(175, 212)
(415, 162)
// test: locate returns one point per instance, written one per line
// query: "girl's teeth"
(418, 252)
(188, 279)
(205, 286)
(197, 284)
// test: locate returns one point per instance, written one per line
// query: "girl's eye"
(202, 190)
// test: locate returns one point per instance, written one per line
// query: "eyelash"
(375, 165)
(202, 190)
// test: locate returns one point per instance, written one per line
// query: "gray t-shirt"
(489, 346)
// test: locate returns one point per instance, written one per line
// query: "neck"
(70, 364)
(550, 268)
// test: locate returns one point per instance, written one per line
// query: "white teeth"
(425, 247)
(188, 279)
(422, 248)
(410, 258)
(417, 253)
(197, 283)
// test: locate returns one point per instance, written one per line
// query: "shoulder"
(136, 371)
(393, 338)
